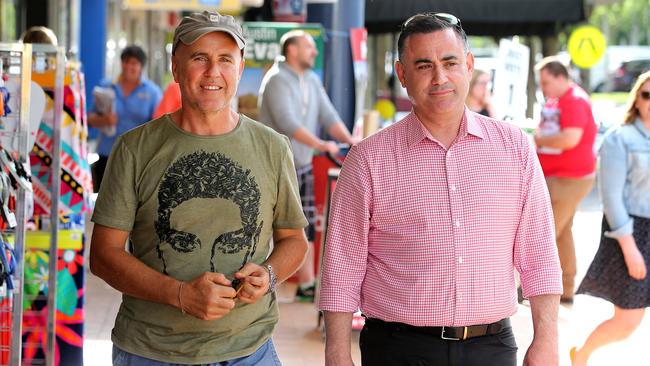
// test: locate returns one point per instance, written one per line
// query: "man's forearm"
(340, 133)
(556, 141)
(544, 309)
(543, 351)
(96, 120)
(338, 327)
(566, 139)
(127, 274)
(303, 136)
(288, 254)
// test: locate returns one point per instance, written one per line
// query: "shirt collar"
(417, 132)
(282, 63)
(642, 128)
(473, 125)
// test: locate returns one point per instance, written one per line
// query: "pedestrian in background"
(618, 272)
(294, 103)
(136, 98)
(565, 147)
(479, 97)
(39, 35)
(199, 193)
(429, 219)
(171, 100)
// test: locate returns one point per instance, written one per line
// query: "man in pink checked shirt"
(430, 218)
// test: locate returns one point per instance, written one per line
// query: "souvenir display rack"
(48, 60)
(18, 62)
(56, 245)
(15, 60)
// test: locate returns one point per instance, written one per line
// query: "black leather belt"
(447, 333)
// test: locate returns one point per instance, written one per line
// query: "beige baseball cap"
(197, 25)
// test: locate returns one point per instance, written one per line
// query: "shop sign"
(290, 10)
(359, 46)
(263, 42)
(226, 6)
(262, 49)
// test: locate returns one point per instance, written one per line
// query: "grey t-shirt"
(194, 204)
(289, 101)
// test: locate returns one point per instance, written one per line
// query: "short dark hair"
(135, 52)
(290, 38)
(553, 66)
(429, 23)
(39, 34)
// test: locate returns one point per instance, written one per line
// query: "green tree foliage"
(624, 22)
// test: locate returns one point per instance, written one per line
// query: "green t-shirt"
(194, 204)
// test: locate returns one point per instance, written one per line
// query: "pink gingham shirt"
(430, 237)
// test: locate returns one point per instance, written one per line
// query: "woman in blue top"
(136, 98)
(618, 272)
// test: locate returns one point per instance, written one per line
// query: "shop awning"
(481, 17)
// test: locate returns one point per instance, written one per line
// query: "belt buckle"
(442, 335)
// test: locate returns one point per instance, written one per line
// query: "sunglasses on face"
(445, 17)
(645, 95)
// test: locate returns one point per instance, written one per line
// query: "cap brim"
(192, 36)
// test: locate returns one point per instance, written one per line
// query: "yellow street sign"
(586, 46)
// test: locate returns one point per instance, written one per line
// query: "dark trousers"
(97, 170)
(381, 345)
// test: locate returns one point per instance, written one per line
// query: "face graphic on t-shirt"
(190, 190)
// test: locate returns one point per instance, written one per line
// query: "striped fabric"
(429, 237)
(76, 180)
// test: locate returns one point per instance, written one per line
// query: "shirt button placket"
(455, 205)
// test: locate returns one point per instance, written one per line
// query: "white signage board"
(510, 80)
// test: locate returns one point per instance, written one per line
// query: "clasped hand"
(211, 296)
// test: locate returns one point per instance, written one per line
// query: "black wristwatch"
(273, 279)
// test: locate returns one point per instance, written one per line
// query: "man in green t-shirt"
(199, 194)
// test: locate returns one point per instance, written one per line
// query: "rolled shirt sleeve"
(612, 176)
(535, 251)
(346, 250)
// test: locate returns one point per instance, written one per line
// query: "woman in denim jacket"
(618, 272)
